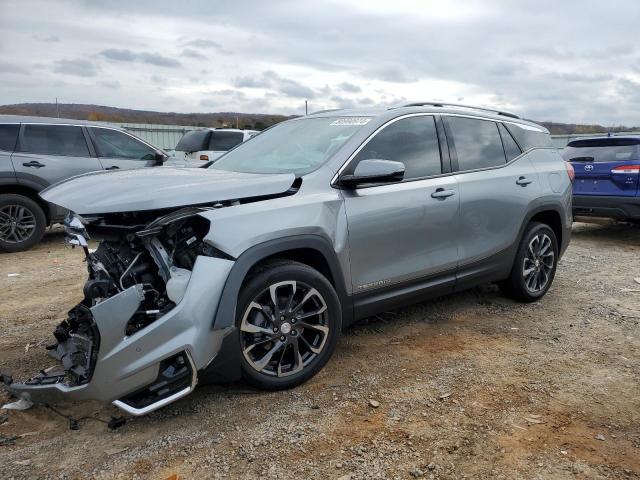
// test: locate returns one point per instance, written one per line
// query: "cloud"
(539, 59)
(191, 53)
(125, 55)
(46, 38)
(202, 43)
(79, 67)
(110, 84)
(270, 79)
(349, 87)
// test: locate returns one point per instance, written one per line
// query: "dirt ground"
(469, 386)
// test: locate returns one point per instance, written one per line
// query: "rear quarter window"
(529, 138)
(9, 136)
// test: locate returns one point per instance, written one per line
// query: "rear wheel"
(289, 321)
(22, 223)
(535, 264)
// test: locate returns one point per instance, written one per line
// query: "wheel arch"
(31, 193)
(312, 250)
(549, 215)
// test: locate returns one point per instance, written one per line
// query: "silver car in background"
(36, 152)
(252, 267)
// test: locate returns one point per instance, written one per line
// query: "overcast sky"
(548, 60)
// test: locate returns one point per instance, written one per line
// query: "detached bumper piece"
(177, 377)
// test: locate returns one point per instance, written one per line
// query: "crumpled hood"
(158, 188)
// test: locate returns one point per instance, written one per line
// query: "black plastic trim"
(226, 314)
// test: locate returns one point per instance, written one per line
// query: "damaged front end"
(145, 325)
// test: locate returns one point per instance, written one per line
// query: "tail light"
(204, 157)
(570, 171)
(627, 169)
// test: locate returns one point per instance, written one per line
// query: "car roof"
(429, 107)
(51, 120)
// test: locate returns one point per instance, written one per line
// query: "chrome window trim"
(458, 172)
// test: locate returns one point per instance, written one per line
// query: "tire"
(534, 268)
(280, 351)
(22, 223)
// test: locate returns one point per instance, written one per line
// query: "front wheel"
(535, 264)
(289, 321)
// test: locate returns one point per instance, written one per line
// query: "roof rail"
(327, 110)
(447, 104)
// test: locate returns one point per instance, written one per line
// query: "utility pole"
(237, 122)
(57, 111)
(306, 110)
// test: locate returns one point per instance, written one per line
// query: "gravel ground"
(468, 386)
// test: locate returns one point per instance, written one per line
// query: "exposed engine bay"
(157, 257)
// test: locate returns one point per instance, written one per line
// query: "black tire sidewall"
(516, 282)
(40, 221)
(280, 272)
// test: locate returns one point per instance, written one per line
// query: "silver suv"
(251, 268)
(36, 152)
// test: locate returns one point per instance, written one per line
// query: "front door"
(402, 234)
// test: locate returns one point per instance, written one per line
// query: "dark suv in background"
(606, 176)
(38, 152)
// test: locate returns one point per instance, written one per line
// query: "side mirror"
(160, 158)
(373, 171)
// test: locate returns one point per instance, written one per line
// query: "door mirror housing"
(373, 171)
(160, 158)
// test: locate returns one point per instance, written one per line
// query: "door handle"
(34, 163)
(442, 193)
(113, 167)
(523, 181)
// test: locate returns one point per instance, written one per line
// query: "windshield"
(298, 146)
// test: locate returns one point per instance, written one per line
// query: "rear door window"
(54, 140)
(477, 143)
(412, 141)
(9, 136)
(114, 144)
(222, 141)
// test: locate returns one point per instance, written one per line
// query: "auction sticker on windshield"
(351, 121)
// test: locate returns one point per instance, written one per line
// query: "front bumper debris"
(143, 371)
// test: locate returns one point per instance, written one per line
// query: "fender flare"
(553, 206)
(226, 313)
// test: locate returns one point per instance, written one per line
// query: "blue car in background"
(606, 176)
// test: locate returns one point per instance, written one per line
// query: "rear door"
(120, 151)
(605, 166)
(8, 140)
(497, 184)
(48, 153)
